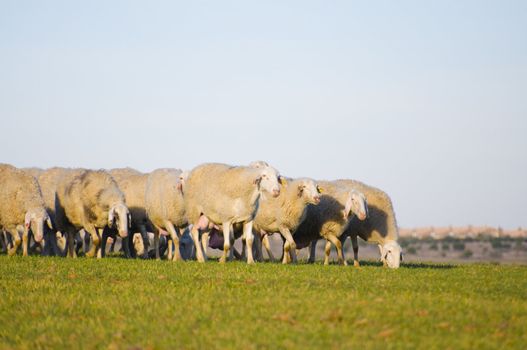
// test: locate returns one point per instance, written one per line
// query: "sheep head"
(34, 220)
(356, 204)
(391, 254)
(268, 181)
(309, 191)
(119, 217)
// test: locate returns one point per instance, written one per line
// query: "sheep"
(49, 181)
(286, 212)
(380, 227)
(91, 200)
(219, 194)
(21, 203)
(133, 184)
(165, 207)
(330, 218)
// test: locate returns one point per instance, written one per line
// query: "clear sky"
(424, 99)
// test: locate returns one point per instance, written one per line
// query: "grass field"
(117, 303)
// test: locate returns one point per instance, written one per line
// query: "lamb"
(331, 217)
(91, 200)
(133, 185)
(220, 194)
(165, 207)
(380, 227)
(286, 212)
(21, 203)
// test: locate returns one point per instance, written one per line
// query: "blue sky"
(426, 100)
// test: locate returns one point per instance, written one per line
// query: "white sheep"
(91, 200)
(165, 207)
(330, 218)
(21, 207)
(286, 212)
(380, 226)
(224, 195)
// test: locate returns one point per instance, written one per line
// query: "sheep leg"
(52, 243)
(205, 241)
(146, 242)
(95, 240)
(100, 247)
(16, 242)
(25, 242)
(291, 246)
(3, 244)
(312, 251)
(194, 232)
(258, 255)
(175, 239)
(104, 240)
(226, 242)
(231, 237)
(156, 243)
(327, 251)
(249, 239)
(338, 245)
(69, 250)
(355, 245)
(267, 245)
(170, 249)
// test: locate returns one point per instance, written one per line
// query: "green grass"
(117, 303)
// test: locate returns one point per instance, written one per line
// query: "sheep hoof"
(11, 252)
(356, 263)
(345, 263)
(222, 260)
(251, 262)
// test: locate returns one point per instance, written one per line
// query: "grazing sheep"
(220, 194)
(133, 184)
(330, 218)
(49, 181)
(380, 227)
(91, 200)
(21, 205)
(286, 212)
(165, 207)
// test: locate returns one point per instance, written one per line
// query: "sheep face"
(309, 190)
(359, 205)
(35, 220)
(391, 254)
(269, 181)
(119, 217)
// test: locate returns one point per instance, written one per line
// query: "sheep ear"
(27, 221)
(300, 190)
(320, 189)
(282, 181)
(257, 180)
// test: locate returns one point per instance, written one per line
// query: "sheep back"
(163, 199)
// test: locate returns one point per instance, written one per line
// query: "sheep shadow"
(413, 265)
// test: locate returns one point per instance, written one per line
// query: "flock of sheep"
(183, 213)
